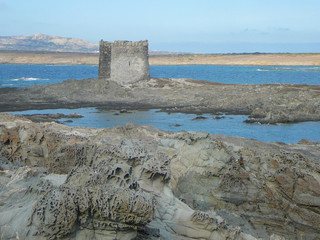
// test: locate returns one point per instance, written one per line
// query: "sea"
(15, 76)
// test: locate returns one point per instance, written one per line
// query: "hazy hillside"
(41, 42)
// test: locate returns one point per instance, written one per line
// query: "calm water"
(231, 125)
(242, 74)
(27, 75)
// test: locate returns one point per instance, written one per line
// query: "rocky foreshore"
(265, 103)
(51, 117)
(138, 182)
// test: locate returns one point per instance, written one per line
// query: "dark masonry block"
(124, 61)
(104, 60)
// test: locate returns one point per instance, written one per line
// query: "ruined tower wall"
(129, 61)
(104, 59)
(124, 61)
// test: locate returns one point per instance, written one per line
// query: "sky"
(200, 26)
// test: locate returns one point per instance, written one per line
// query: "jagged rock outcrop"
(137, 182)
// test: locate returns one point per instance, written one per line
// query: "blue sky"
(173, 25)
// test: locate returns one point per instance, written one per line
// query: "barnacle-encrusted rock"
(62, 210)
(103, 197)
(158, 166)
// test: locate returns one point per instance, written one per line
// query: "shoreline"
(74, 58)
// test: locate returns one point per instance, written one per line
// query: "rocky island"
(265, 103)
(138, 182)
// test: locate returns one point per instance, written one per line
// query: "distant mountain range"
(42, 42)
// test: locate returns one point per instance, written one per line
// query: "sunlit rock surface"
(138, 182)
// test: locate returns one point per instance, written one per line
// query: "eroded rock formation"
(137, 182)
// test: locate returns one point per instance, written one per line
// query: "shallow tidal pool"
(231, 125)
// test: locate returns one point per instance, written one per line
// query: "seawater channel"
(28, 75)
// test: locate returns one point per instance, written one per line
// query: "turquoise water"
(28, 75)
(242, 74)
(231, 125)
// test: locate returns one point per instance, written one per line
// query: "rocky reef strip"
(265, 103)
(138, 182)
(51, 117)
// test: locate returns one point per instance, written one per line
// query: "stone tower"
(124, 61)
(104, 60)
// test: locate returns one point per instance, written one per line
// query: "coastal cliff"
(138, 182)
